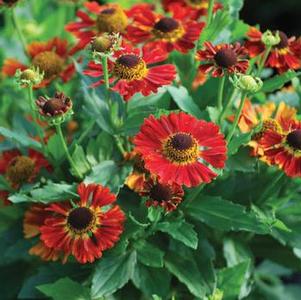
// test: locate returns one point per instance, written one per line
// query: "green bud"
(270, 39)
(247, 83)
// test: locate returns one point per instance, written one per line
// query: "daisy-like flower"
(284, 56)
(132, 71)
(222, 59)
(169, 33)
(51, 58)
(180, 149)
(108, 18)
(86, 228)
(34, 218)
(8, 3)
(198, 7)
(55, 110)
(168, 196)
(282, 147)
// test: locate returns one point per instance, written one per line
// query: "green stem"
(210, 11)
(84, 134)
(19, 31)
(228, 105)
(119, 144)
(64, 145)
(237, 116)
(263, 60)
(220, 93)
(35, 118)
(269, 188)
(104, 61)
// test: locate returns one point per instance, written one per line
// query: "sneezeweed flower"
(283, 147)
(222, 59)
(29, 77)
(131, 71)
(34, 218)
(55, 110)
(86, 228)
(246, 83)
(180, 149)
(283, 56)
(171, 33)
(168, 196)
(105, 44)
(109, 18)
(198, 7)
(52, 58)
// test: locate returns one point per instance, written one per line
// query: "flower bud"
(270, 39)
(247, 83)
(105, 44)
(217, 295)
(29, 77)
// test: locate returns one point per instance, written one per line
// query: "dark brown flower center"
(128, 60)
(166, 25)
(108, 11)
(54, 105)
(283, 40)
(294, 139)
(160, 192)
(225, 58)
(20, 170)
(49, 63)
(80, 218)
(181, 141)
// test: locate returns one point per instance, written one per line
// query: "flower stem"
(237, 116)
(35, 118)
(19, 31)
(228, 105)
(210, 11)
(104, 62)
(64, 145)
(220, 93)
(263, 60)
(119, 144)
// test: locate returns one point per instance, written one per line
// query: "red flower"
(19, 169)
(87, 229)
(33, 219)
(198, 7)
(180, 149)
(52, 58)
(283, 147)
(223, 58)
(284, 56)
(168, 196)
(107, 18)
(131, 71)
(170, 33)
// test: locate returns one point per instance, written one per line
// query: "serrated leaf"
(66, 289)
(184, 101)
(181, 231)
(55, 148)
(225, 215)
(149, 255)
(112, 273)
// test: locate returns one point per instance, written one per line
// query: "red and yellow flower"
(168, 196)
(222, 59)
(180, 149)
(34, 218)
(8, 3)
(198, 7)
(51, 58)
(284, 56)
(86, 228)
(132, 71)
(169, 33)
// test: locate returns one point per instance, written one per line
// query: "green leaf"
(225, 215)
(108, 173)
(241, 161)
(66, 289)
(112, 273)
(230, 280)
(79, 158)
(20, 138)
(213, 113)
(180, 231)
(148, 254)
(152, 281)
(55, 148)
(278, 81)
(184, 101)
(238, 141)
(185, 269)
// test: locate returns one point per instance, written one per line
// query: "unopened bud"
(270, 39)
